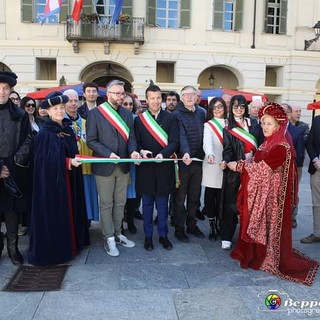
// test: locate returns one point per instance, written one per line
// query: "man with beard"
(110, 134)
(172, 99)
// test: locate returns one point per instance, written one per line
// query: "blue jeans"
(162, 209)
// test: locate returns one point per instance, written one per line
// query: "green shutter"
(64, 11)
(151, 12)
(87, 7)
(283, 17)
(127, 7)
(218, 6)
(26, 14)
(238, 15)
(185, 14)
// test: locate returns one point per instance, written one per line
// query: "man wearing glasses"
(110, 134)
(191, 120)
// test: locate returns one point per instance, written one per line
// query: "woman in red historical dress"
(267, 193)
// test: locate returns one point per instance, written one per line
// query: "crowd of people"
(247, 158)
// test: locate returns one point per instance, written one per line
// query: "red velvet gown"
(265, 200)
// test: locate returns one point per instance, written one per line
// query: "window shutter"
(185, 14)
(218, 14)
(151, 12)
(127, 7)
(238, 15)
(26, 14)
(64, 11)
(283, 17)
(87, 7)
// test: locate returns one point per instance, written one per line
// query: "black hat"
(53, 99)
(8, 77)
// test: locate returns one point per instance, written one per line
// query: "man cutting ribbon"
(110, 134)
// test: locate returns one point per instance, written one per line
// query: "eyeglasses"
(29, 105)
(189, 94)
(118, 94)
(128, 104)
(218, 107)
(240, 106)
(14, 99)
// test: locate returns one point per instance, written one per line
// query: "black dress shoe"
(165, 243)
(148, 244)
(181, 236)
(132, 228)
(195, 231)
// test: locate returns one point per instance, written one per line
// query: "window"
(165, 72)
(227, 15)
(106, 7)
(276, 16)
(46, 69)
(167, 13)
(274, 76)
(32, 11)
(171, 14)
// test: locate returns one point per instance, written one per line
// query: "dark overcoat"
(157, 178)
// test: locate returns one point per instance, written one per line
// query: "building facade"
(250, 45)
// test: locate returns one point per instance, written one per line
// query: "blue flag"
(117, 11)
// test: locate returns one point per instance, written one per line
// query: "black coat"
(157, 178)
(313, 143)
(15, 141)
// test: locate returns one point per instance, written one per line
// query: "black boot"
(213, 235)
(12, 247)
(1, 242)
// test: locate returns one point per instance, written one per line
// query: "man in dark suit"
(110, 134)
(157, 137)
(313, 148)
(90, 93)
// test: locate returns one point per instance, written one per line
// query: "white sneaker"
(226, 245)
(124, 241)
(110, 247)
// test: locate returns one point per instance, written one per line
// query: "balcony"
(94, 28)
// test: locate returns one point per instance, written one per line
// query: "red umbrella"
(41, 94)
(313, 105)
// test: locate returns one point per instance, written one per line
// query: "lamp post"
(308, 43)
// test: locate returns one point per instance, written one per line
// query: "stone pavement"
(193, 281)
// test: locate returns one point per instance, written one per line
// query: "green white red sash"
(115, 119)
(217, 128)
(154, 128)
(249, 141)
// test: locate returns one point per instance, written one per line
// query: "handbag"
(11, 186)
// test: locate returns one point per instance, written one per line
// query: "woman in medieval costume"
(58, 222)
(267, 194)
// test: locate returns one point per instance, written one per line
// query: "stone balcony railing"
(93, 28)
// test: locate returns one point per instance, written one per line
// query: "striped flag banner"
(52, 7)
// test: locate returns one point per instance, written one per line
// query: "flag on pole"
(117, 11)
(52, 7)
(77, 10)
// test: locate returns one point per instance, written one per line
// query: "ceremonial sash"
(217, 128)
(115, 119)
(249, 141)
(154, 128)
